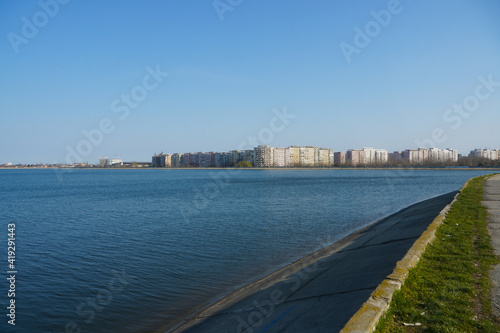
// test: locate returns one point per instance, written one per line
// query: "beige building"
(416, 156)
(324, 157)
(307, 156)
(294, 156)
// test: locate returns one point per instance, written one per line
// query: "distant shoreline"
(255, 168)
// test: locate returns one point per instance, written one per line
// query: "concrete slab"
(492, 205)
(492, 197)
(324, 294)
(492, 202)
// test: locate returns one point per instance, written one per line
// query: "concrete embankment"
(322, 291)
(492, 203)
(367, 317)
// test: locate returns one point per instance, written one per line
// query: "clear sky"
(381, 74)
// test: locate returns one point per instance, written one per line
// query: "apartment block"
(418, 156)
(233, 157)
(355, 157)
(176, 160)
(339, 158)
(310, 156)
(396, 156)
(236, 156)
(375, 156)
(247, 155)
(307, 156)
(325, 157)
(281, 157)
(219, 160)
(263, 156)
(487, 153)
(424, 156)
(294, 156)
(156, 161)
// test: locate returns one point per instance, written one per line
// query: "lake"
(132, 250)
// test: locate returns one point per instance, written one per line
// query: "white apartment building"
(443, 155)
(487, 153)
(375, 156)
(281, 157)
(433, 155)
(110, 161)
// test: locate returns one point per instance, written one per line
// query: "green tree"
(244, 164)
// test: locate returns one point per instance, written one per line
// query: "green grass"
(449, 289)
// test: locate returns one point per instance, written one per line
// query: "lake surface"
(133, 250)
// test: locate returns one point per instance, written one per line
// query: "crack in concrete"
(379, 244)
(287, 301)
(329, 294)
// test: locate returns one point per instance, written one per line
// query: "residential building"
(187, 159)
(307, 156)
(263, 156)
(176, 160)
(206, 160)
(396, 156)
(487, 153)
(106, 162)
(247, 155)
(161, 160)
(339, 158)
(375, 156)
(418, 156)
(233, 157)
(429, 156)
(294, 156)
(281, 157)
(155, 161)
(219, 159)
(325, 157)
(355, 157)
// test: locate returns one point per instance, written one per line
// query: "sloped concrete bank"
(366, 318)
(321, 292)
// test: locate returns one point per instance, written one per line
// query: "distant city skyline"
(96, 160)
(90, 79)
(310, 156)
(293, 156)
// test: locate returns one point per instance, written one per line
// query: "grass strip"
(449, 289)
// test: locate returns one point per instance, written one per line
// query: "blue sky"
(225, 77)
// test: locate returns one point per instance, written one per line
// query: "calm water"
(132, 250)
